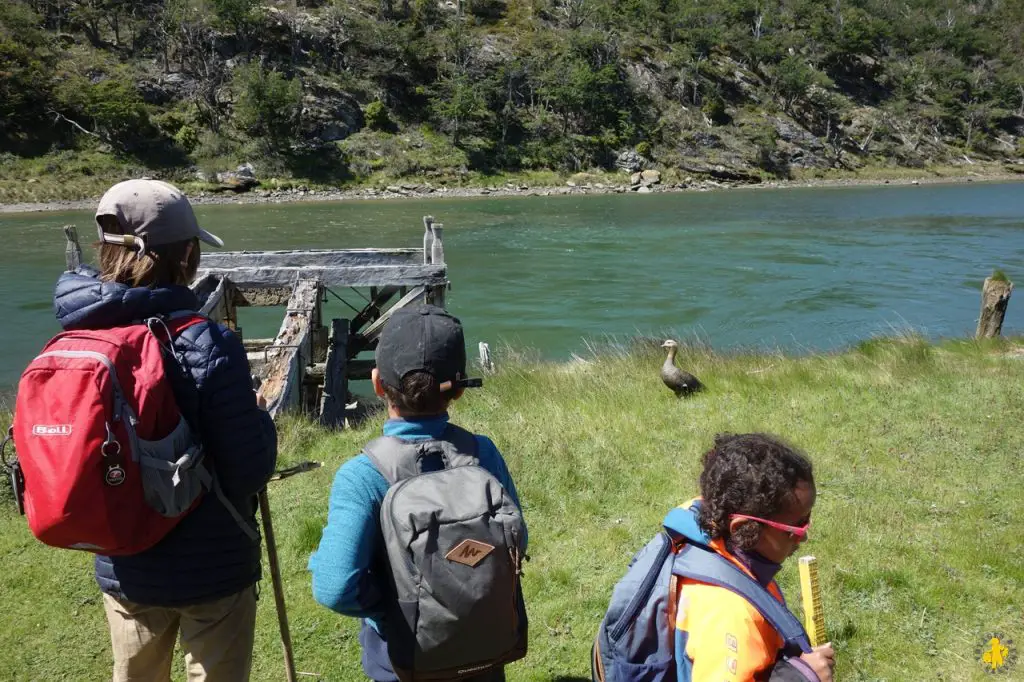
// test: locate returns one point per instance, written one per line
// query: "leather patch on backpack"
(469, 552)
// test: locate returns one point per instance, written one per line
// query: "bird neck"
(671, 355)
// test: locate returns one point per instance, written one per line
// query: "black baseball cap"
(423, 338)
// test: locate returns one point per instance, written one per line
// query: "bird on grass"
(682, 383)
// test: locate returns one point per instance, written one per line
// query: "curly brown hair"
(750, 473)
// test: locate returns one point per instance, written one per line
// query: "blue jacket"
(207, 556)
(346, 566)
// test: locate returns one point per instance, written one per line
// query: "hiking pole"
(275, 579)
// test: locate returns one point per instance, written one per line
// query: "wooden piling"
(335, 394)
(428, 238)
(995, 296)
(486, 364)
(73, 250)
(437, 292)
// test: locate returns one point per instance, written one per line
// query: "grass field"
(919, 526)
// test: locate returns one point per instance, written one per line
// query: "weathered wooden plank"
(335, 394)
(314, 258)
(378, 299)
(292, 349)
(374, 330)
(354, 276)
(220, 304)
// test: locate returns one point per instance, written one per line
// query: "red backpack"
(108, 463)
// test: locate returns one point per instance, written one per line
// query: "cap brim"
(211, 239)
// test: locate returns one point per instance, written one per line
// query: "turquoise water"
(800, 269)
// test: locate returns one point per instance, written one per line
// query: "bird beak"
(665, 345)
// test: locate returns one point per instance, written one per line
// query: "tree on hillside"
(457, 98)
(793, 78)
(187, 42)
(268, 104)
(25, 78)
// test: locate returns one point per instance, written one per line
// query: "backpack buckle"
(111, 451)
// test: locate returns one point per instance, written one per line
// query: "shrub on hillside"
(377, 117)
(268, 104)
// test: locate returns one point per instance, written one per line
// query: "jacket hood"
(682, 521)
(82, 301)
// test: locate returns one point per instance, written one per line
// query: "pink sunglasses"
(797, 531)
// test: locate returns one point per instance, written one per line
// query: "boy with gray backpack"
(425, 538)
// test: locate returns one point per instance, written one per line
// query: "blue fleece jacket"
(348, 566)
(207, 556)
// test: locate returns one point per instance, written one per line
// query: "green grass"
(918, 527)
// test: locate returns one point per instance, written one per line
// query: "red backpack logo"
(108, 462)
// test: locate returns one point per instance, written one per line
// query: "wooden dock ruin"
(308, 365)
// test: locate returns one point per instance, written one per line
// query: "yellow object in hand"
(810, 595)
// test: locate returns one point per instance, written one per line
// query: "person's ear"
(378, 387)
(735, 524)
(188, 255)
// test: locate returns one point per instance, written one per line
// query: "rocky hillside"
(343, 92)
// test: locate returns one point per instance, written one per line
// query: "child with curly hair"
(757, 493)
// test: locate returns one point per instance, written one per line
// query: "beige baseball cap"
(151, 213)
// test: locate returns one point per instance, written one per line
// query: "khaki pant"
(217, 638)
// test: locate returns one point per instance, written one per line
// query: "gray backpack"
(455, 544)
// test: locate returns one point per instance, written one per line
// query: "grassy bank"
(918, 524)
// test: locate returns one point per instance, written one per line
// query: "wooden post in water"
(428, 238)
(73, 250)
(995, 296)
(332, 405)
(486, 364)
(437, 258)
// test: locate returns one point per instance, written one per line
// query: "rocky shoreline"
(643, 185)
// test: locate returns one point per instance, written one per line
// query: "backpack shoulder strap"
(397, 459)
(460, 447)
(708, 567)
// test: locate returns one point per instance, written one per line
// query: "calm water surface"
(800, 269)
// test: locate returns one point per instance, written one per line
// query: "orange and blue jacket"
(719, 635)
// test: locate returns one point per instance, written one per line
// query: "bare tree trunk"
(995, 296)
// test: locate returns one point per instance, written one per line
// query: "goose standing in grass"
(682, 383)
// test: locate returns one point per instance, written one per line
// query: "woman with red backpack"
(198, 582)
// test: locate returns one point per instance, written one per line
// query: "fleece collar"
(416, 428)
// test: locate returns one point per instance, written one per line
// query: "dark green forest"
(342, 92)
